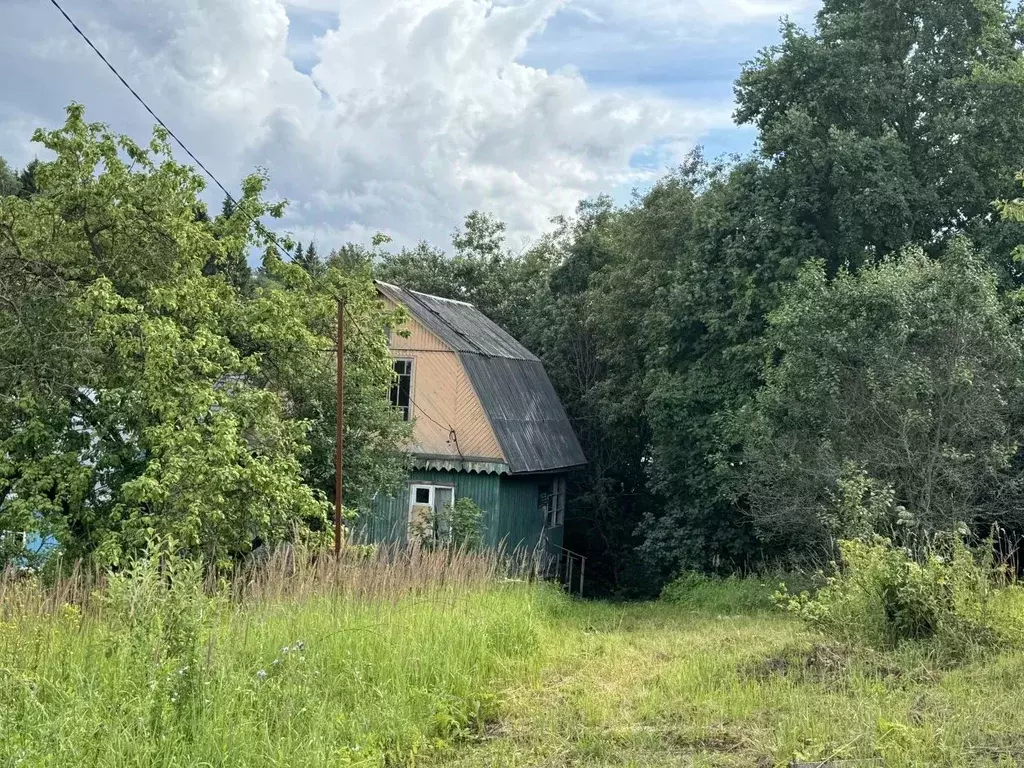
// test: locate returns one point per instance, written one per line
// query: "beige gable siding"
(443, 398)
(418, 340)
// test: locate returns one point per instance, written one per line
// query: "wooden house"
(488, 426)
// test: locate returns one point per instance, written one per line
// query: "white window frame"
(412, 496)
(433, 488)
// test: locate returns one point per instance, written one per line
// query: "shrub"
(882, 596)
(458, 525)
(733, 595)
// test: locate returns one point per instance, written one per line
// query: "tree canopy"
(758, 353)
(695, 333)
(144, 392)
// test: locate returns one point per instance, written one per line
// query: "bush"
(733, 595)
(883, 596)
(458, 525)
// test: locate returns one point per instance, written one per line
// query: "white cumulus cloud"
(701, 12)
(410, 113)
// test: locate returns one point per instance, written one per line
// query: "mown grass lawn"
(660, 685)
(429, 662)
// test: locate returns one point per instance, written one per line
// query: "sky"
(400, 116)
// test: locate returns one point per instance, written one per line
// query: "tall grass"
(373, 660)
(407, 657)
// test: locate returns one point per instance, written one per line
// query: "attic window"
(401, 390)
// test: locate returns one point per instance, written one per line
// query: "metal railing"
(570, 570)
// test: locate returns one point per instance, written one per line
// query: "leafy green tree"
(909, 371)
(292, 327)
(130, 406)
(9, 184)
(577, 330)
(351, 256)
(885, 127)
(482, 271)
(688, 355)
(232, 265)
(894, 122)
(482, 237)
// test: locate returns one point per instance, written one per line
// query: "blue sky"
(403, 115)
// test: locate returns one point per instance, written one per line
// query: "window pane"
(401, 390)
(546, 503)
(422, 495)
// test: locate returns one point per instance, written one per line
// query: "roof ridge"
(424, 293)
(461, 325)
(441, 298)
(441, 318)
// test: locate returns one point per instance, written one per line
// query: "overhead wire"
(452, 435)
(261, 228)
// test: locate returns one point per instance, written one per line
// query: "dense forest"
(765, 354)
(761, 355)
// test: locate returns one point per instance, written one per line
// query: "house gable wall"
(443, 398)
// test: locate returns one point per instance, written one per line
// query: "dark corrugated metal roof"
(524, 410)
(461, 326)
(528, 418)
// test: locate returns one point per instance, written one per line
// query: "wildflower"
(262, 674)
(275, 662)
(286, 649)
(300, 645)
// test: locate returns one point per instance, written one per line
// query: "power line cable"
(452, 434)
(259, 226)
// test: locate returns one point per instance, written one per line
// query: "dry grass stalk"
(385, 573)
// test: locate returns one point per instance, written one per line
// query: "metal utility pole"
(340, 436)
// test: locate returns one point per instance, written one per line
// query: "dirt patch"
(999, 749)
(832, 664)
(821, 662)
(714, 739)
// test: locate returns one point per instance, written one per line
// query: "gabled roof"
(461, 326)
(520, 402)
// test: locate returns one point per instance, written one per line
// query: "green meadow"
(435, 658)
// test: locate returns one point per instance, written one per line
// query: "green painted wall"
(520, 523)
(511, 517)
(388, 520)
